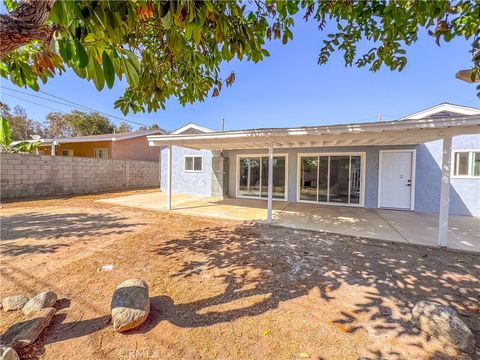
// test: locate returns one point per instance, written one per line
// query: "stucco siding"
(464, 195)
(80, 149)
(371, 170)
(464, 192)
(193, 183)
(129, 149)
(134, 149)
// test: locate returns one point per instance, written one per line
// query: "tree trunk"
(24, 25)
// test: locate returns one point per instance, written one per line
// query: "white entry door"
(396, 179)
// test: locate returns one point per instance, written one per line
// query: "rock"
(25, 332)
(443, 323)
(41, 301)
(7, 353)
(130, 304)
(14, 302)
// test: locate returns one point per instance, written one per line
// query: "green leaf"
(133, 60)
(5, 133)
(65, 50)
(95, 72)
(98, 79)
(82, 57)
(90, 38)
(188, 31)
(197, 35)
(132, 75)
(108, 71)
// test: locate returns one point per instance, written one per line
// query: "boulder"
(7, 353)
(130, 305)
(444, 324)
(25, 332)
(14, 302)
(41, 301)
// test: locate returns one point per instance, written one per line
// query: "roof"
(443, 110)
(103, 137)
(408, 131)
(191, 128)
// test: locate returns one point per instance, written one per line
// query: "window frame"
(363, 162)
(70, 151)
(470, 164)
(95, 150)
(193, 163)
(261, 155)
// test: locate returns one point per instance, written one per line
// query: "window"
(335, 178)
(466, 163)
(101, 153)
(253, 177)
(67, 152)
(193, 163)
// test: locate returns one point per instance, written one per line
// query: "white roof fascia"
(107, 137)
(422, 129)
(463, 110)
(192, 126)
(327, 130)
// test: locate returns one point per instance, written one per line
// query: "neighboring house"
(120, 146)
(393, 164)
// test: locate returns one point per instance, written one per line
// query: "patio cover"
(398, 132)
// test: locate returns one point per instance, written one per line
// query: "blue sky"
(289, 88)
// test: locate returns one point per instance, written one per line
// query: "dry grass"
(225, 290)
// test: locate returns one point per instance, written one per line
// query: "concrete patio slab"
(387, 225)
(230, 208)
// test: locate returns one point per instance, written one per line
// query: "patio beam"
(169, 177)
(445, 192)
(270, 184)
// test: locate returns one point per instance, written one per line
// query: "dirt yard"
(225, 290)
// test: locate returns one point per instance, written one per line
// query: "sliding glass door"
(250, 176)
(253, 176)
(330, 178)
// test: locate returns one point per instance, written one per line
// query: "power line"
(35, 103)
(73, 103)
(92, 109)
(36, 96)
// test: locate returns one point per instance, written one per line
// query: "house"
(120, 146)
(425, 162)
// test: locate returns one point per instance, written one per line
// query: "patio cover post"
(270, 184)
(445, 192)
(169, 177)
(160, 169)
(52, 148)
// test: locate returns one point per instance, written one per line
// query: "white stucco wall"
(194, 183)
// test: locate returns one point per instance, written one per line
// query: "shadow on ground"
(64, 226)
(288, 264)
(248, 270)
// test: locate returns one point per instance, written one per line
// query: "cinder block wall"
(25, 175)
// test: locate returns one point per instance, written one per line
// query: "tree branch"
(24, 25)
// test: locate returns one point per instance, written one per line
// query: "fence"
(25, 175)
